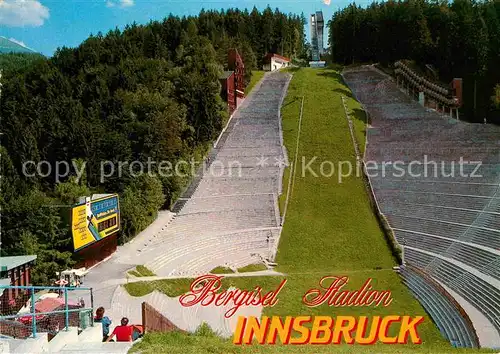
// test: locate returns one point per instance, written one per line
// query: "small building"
(233, 81)
(235, 63)
(228, 91)
(274, 61)
(15, 271)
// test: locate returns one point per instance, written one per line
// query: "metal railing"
(35, 309)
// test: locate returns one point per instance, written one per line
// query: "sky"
(45, 25)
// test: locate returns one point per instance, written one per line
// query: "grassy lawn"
(290, 299)
(144, 272)
(141, 271)
(206, 342)
(171, 287)
(330, 229)
(256, 76)
(252, 268)
(221, 270)
(134, 273)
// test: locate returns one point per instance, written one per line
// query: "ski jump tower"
(317, 25)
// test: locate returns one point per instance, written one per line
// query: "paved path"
(227, 217)
(105, 277)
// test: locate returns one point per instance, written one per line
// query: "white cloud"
(126, 3)
(119, 3)
(20, 13)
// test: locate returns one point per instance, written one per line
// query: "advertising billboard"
(94, 219)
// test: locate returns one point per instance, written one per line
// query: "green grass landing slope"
(330, 229)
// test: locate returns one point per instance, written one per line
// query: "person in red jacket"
(123, 333)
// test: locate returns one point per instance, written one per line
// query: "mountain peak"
(13, 46)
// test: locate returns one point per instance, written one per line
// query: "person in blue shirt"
(106, 322)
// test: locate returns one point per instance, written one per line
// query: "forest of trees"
(459, 39)
(149, 92)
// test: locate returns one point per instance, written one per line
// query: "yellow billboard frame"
(86, 217)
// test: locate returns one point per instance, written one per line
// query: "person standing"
(106, 322)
